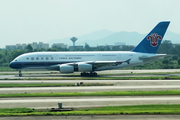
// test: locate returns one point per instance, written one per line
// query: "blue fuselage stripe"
(21, 65)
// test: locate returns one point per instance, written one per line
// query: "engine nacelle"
(65, 68)
(83, 67)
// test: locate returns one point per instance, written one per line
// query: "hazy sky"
(27, 21)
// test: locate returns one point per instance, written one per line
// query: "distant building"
(10, 47)
(23, 46)
(75, 48)
(59, 45)
(41, 45)
(73, 39)
(17, 46)
(119, 43)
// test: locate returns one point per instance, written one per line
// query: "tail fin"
(151, 42)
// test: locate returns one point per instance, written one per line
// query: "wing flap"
(98, 64)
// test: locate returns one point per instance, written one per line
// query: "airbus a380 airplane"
(89, 62)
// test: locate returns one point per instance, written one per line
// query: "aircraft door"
(99, 56)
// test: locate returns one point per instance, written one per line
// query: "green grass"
(50, 85)
(3, 69)
(111, 93)
(16, 110)
(136, 109)
(110, 110)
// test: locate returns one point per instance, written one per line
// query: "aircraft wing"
(98, 64)
(95, 64)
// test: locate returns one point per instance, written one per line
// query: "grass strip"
(51, 85)
(111, 93)
(110, 110)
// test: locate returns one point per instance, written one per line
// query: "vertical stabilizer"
(151, 42)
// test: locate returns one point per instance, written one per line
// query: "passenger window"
(47, 58)
(51, 58)
(42, 58)
(37, 58)
(32, 58)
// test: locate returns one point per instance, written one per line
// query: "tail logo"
(154, 37)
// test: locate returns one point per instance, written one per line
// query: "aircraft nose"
(11, 65)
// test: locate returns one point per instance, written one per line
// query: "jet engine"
(65, 68)
(83, 67)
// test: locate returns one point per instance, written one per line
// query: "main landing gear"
(89, 74)
(20, 74)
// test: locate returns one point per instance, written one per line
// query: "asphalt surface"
(56, 74)
(76, 102)
(115, 82)
(86, 89)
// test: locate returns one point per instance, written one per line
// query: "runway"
(76, 102)
(116, 82)
(51, 102)
(107, 73)
(86, 89)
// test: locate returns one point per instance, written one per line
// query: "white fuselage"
(43, 60)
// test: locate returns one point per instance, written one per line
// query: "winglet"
(151, 42)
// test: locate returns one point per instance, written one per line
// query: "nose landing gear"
(20, 74)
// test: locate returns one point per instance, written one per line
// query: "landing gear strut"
(20, 75)
(89, 74)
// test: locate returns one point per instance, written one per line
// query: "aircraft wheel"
(82, 74)
(95, 74)
(87, 74)
(20, 75)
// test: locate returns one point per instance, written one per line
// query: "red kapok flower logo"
(154, 37)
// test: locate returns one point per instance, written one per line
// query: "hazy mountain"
(174, 37)
(84, 38)
(105, 37)
(130, 38)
